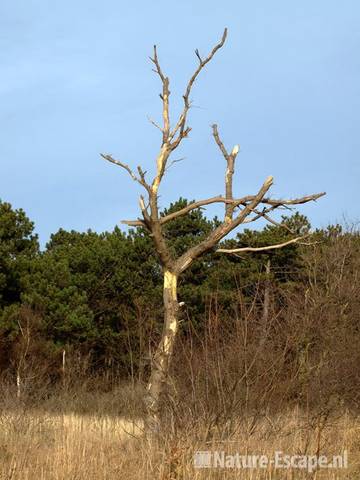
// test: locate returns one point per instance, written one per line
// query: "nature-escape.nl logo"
(280, 460)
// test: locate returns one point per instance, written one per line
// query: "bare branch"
(176, 160)
(155, 124)
(164, 96)
(161, 161)
(275, 223)
(144, 210)
(219, 142)
(198, 56)
(126, 167)
(141, 179)
(230, 161)
(221, 231)
(295, 201)
(181, 124)
(260, 249)
(181, 212)
(146, 222)
(258, 198)
(241, 201)
(134, 223)
(155, 60)
(191, 206)
(169, 143)
(263, 214)
(276, 203)
(202, 65)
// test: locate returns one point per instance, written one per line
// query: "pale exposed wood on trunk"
(162, 357)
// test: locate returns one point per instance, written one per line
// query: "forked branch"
(183, 262)
(275, 204)
(181, 124)
(164, 95)
(230, 163)
(141, 179)
(264, 214)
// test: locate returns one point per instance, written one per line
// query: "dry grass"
(224, 385)
(48, 446)
(35, 445)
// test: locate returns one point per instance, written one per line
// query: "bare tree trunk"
(164, 352)
(237, 211)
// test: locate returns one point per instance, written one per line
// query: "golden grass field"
(48, 446)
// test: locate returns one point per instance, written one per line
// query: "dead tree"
(237, 211)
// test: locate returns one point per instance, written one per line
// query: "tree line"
(98, 296)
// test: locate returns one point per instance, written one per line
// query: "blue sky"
(76, 81)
